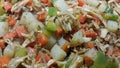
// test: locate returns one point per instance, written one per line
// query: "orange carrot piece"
(19, 30)
(90, 34)
(2, 43)
(90, 45)
(82, 19)
(44, 1)
(59, 31)
(4, 60)
(80, 3)
(11, 21)
(109, 52)
(29, 3)
(88, 61)
(65, 47)
(97, 20)
(47, 57)
(7, 7)
(38, 57)
(10, 35)
(42, 39)
(41, 16)
(47, 2)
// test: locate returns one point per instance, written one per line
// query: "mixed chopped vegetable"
(59, 33)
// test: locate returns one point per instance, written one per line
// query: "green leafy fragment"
(52, 11)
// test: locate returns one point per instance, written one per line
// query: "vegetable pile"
(59, 33)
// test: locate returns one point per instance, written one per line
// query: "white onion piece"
(87, 39)
(61, 5)
(3, 28)
(92, 53)
(57, 53)
(102, 6)
(92, 2)
(62, 41)
(103, 33)
(30, 21)
(9, 50)
(112, 26)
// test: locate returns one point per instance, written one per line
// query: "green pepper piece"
(20, 52)
(52, 11)
(112, 64)
(100, 61)
(109, 16)
(69, 62)
(51, 26)
(46, 32)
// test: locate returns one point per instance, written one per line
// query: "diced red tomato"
(80, 3)
(82, 19)
(91, 34)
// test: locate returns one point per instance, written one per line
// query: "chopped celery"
(52, 11)
(51, 26)
(1, 11)
(109, 16)
(20, 52)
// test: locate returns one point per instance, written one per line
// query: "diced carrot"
(97, 20)
(7, 7)
(47, 2)
(38, 57)
(117, 53)
(80, 3)
(29, 3)
(88, 61)
(10, 35)
(44, 1)
(42, 39)
(20, 30)
(65, 47)
(90, 45)
(4, 60)
(11, 21)
(82, 19)
(41, 16)
(2, 43)
(59, 31)
(47, 57)
(109, 52)
(90, 34)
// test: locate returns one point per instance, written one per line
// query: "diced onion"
(30, 21)
(3, 28)
(9, 50)
(102, 6)
(92, 2)
(103, 33)
(58, 53)
(61, 5)
(112, 26)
